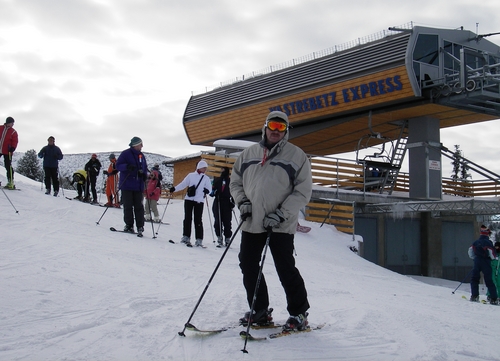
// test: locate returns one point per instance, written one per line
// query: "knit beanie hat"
(112, 156)
(9, 120)
(135, 141)
(201, 164)
(276, 114)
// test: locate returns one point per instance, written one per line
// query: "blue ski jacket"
(133, 170)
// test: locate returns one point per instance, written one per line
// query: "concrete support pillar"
(424, 158)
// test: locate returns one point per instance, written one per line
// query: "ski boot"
(296, 323)
(261, 317)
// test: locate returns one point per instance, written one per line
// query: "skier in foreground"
(271, 181)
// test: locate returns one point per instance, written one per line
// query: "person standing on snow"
(199, 186)
(112, 183)
(153, 192)
(51, 155)
(93, 167)
(271, 182)
(133, 173)
(482, 252)
(222, 207)
(8, 144)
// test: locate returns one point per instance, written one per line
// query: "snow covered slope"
(73, 290)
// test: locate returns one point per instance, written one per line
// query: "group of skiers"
(269, 194)
(51, 155)
(86, 180)
(485, 255)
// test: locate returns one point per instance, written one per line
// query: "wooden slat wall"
(217, 162)
(340, 215)
(333, 173)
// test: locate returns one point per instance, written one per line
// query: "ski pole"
(6, 196)
(181, 333)
(220, 218)
(257, 284)
(163, 215)
(148, 202)
(234, 214)
(210, 218)
(102, 186)
(61, 179)
(463, 280)
(103, 213)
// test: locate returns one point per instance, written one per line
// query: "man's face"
(51, 141)
(9, 125)
(138, 147)
(202, 170)
(274, 136)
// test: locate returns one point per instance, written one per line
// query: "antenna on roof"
(480, 36)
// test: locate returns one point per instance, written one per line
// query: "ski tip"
(171, 241)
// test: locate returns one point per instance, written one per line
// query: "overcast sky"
(95, 73)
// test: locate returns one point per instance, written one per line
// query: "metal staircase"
(398, 155)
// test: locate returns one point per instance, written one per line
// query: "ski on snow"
(195, 246)
(191, 327)
(113, 229)
(283, 333)
(484, 302)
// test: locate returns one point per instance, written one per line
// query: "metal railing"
(309, 57)
(338, 173)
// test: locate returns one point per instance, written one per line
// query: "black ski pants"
(222, 217)
(92, 179)
(133, 207)
(7, 161)
(281, 247)
(190, 208)
(51, 175)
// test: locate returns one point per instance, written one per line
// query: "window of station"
(426, 49)
(452, 56)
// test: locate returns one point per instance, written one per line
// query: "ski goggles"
(276, 125)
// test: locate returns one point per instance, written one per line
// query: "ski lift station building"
(399, 87)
